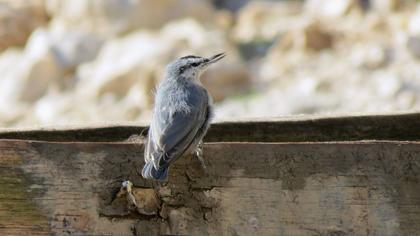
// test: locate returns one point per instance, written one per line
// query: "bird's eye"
(195, 64)
(181, 69)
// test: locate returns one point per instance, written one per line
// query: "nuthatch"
(181, 116)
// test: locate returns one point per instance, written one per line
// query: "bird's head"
(191, 67)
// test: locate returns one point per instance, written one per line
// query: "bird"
(181, 116)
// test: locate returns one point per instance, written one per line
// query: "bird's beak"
(214, 59)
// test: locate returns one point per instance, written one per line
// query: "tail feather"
(149, 172)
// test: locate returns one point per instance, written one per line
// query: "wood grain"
(334, 188)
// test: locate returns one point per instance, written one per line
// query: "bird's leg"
(199, 154)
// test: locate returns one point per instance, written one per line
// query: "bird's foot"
(200, 156)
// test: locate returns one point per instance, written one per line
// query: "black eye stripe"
(189, 56)
(183, 68)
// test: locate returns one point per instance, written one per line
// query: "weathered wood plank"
(346, 188)
(405, 126)
(19, 214)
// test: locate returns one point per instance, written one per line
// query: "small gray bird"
(181, 115)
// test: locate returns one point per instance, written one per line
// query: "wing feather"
(173, 130)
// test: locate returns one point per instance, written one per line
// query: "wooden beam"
(331, 188)
(404, 126)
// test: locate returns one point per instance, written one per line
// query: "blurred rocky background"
(89, 61)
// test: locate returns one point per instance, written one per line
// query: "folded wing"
(173, 131)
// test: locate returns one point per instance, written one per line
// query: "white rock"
(120, 65)
(369, 55)
(46, 60)
(9, 61)
(263, 21)
(414, 22)
(10, 110)
(386, 6)
(73, 46)
(32, 71)
(143, 56)
(386, 84)
(40, 67)
(52, 107)
(328, 8)
(111, 17)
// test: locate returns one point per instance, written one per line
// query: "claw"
(199, 154)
